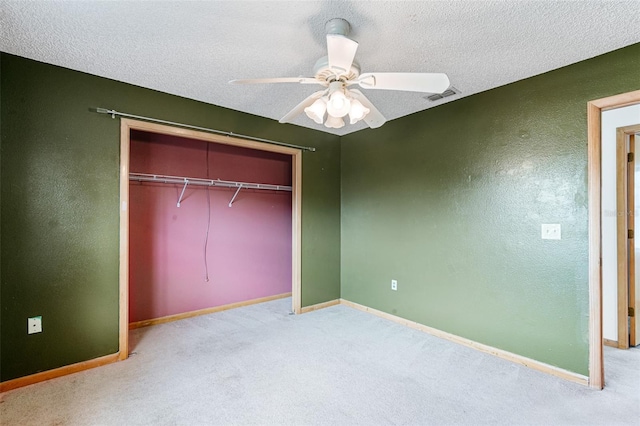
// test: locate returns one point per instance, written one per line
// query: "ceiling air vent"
(437, 96)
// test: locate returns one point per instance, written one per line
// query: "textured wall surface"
(60, 174)
(248, 251)
(450, 201)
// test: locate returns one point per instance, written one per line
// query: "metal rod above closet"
(113, 114)
(142, 177)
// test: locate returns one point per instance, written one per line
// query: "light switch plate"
(34, 325)
(551, 231)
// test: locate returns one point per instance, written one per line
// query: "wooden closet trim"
(126, 126)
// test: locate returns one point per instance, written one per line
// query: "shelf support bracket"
(186, 182)
(235, 195)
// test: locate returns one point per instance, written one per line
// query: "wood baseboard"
(319, 306)
(184, 315)
(57, 372)
(509, 356)
(612, 343)
(108, 359)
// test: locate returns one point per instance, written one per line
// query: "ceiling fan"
(338, 73)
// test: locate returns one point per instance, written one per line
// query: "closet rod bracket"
(186, 182)
(235, 195)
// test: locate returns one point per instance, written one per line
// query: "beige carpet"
(336, 366)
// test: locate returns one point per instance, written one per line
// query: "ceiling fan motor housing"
(323, 72)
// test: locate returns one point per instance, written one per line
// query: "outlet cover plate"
(394, 285)
(34, 325)
(551, 231)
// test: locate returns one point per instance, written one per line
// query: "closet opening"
(207, 223)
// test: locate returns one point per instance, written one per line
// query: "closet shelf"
(142, 177)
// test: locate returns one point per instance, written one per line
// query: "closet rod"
(113, 114)
(142, 177)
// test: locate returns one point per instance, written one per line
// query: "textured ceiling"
(193, 49)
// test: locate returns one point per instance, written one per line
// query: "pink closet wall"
(249, 245)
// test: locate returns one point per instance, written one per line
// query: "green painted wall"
(59, 189)
(450, 201)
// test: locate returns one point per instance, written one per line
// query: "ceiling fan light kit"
(338, 105)
(334, 122)
(316, 110)
(357, 111)
(337, 72)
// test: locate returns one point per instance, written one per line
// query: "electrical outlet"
(34, 325)
(551, 231)
(394, 285)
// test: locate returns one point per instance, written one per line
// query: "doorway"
(127, 126)
(628, 247)
(594, 169)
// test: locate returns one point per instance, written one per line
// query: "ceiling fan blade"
(302, 105)
(374, 118)
(411, 82)
(301, 80)
(341, 51)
